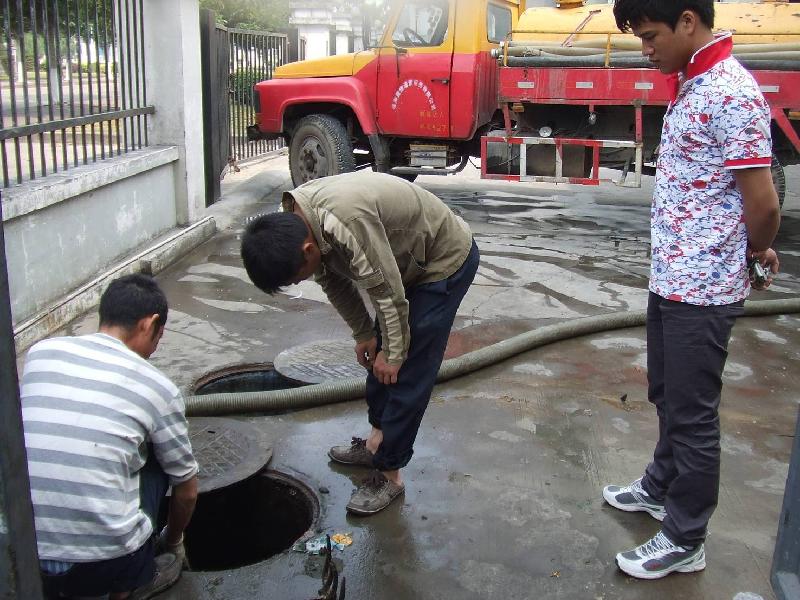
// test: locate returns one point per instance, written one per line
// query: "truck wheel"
(320, 147)
(779, 179)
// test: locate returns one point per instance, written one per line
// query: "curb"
(150, 261)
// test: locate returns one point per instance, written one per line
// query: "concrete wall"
(62, 230)
(52, 248)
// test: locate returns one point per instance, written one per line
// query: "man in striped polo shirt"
(106, 435)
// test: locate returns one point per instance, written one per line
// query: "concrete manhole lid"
(227, 450)
(321, 361)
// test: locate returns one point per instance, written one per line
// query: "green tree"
(250, 14)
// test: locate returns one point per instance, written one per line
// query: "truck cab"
(412, 103)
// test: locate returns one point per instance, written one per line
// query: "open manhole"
(249, 521)
(258, 377)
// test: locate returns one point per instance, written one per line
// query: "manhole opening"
(259, 377)
(249, 521)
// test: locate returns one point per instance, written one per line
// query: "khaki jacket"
(381, 234)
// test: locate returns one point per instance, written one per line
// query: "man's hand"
(365, 352)
(384, 372)
(163, 544)
(769, 260)
(181, 507)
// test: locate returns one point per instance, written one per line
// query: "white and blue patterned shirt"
(718, 122)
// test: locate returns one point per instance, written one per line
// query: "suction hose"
(354, 387)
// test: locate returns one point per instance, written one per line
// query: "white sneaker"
(658, 557)
(632, 498)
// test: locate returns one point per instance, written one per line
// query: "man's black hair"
(131, 298)
(631, 13)
(272, 250)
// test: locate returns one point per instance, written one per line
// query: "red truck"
(543, 94)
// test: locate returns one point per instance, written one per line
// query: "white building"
(326, 28)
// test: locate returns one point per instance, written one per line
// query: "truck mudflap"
(555, 160)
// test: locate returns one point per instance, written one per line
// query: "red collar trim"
(709, 55)
(703, 61)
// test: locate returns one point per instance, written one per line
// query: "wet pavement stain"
(503, 490)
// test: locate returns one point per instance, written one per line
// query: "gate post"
(172, 54)
(19, 562)
(786, 561)
(215, 90)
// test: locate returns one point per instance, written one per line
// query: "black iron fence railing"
(254, 55)
(72, 84)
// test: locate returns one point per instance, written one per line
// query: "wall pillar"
(174, 87)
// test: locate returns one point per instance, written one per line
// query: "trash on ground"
(318, 545)
(340, 540)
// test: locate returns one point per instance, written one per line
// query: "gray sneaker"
(632, 498)
(375, 493)
(354, 454)
(659, 557)
(168, 570)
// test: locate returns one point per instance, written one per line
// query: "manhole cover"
(321, 361)
(227, 450)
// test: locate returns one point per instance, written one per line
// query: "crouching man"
(414, 258)
(106, 435)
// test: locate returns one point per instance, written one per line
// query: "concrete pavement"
(503, 494)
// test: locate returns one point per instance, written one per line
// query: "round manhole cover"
(321, 361)
(227, 450)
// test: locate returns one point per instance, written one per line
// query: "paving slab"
(503, 494)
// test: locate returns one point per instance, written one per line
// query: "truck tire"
(319, 147)
(779, 179)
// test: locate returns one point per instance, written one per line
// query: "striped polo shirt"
(90, 407)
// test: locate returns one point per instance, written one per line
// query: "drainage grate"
(250, 521)
(318, 362)
(227, 450)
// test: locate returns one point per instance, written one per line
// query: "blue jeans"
(687, 347)
(125, 573)
(397, 409)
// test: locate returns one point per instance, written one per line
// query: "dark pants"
(125, 573)
(687, 346)
(397, 409)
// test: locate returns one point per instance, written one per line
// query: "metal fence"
(72, 84)
(254, 55)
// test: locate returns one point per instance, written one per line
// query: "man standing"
(414, 258)
(714, 206)
(105, 434)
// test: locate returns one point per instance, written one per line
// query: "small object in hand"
(758, 276)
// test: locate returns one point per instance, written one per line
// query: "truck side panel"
(474, 93)
(277, 95)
